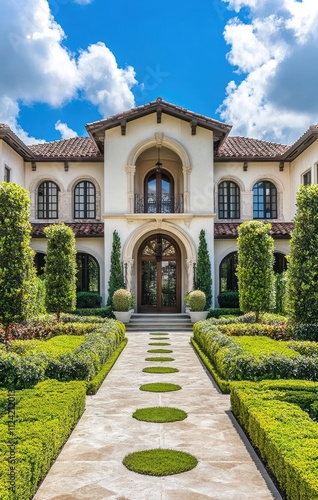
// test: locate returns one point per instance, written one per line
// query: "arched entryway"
(159, 272)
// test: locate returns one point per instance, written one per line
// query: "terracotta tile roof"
(244, 147)
(158, 105)
(229, 229)
(87, 229)
(78, 147)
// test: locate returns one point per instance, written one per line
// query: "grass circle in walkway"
(159, 343)
(160, 369)
(160, 387)
(160, 462)
(159, 358)
(158, 333)
(160, 414)
(160, 338)
(160, 350)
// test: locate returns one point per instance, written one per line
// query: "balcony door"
(159, 193)
(159, 275)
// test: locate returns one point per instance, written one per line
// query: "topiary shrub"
(122, 300)
(88, 300)
(196, 300)
(229, 300)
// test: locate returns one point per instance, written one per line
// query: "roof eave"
(15, 143)
(308, 138)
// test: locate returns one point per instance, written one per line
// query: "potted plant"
(196, 301)
(123, 303)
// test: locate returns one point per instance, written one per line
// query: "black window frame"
(48, 207)
(7, 174)
(84, 271)
(264, 205)
(225, 200)
(307, 178)
(84, 208)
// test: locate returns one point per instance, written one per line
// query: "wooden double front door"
(159, 275)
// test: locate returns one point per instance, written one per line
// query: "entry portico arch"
(183, 240)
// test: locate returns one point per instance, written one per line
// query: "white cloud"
(36, 67)
(83, 2)
(66, 132)
(276, 55)
(102, 82)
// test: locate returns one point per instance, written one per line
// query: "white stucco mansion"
(158, 174)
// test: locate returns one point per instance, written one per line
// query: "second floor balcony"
(158, 204)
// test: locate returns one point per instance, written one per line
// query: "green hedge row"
(234, 362)
(44, 418)
(285, 435)
(83, 363)
(103, 312)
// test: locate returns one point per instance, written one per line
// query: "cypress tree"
(256, 279)
(203, 279)
(60, 269)
(116, 276)
(17, 271)
(303, 260)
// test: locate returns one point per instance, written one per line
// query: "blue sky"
(250, 63)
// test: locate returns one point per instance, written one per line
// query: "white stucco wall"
(256, 172)
(11, 159)
(308, 160)
(54, 171)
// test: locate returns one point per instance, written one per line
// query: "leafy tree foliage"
(116, 277)
(60, 269)
(303, 260)
(17, 271)
(255, 273)
(203, 279)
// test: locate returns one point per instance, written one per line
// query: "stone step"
(156, 322)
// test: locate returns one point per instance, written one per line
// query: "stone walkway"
(90, 464)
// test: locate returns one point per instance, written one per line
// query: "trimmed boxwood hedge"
(232, 362)
(44, 418)
(284, 434)
(22, 370)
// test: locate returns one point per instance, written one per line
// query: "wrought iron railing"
(164, 204)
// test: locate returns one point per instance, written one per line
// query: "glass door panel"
(149, 283)
(168, 283)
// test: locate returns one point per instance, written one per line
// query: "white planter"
(198, 315)
(123, 316)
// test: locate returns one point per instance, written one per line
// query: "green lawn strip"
(284, 434)
(160, 387)
(223, 384)
(159, 358)
(159, 343)
(158, 333)
(162, 351)
(160, 369)
(44, 418)
(53, 347)
(94, 384)
(160, 462)
(259, 347)
(160, 414)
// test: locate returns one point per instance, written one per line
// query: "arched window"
(87, 273)
(228, 266)
(228, 278)
(229, 200)
(159, 193)
(280, 262)
(85, 201)
(48, 200)
(39, 263)
(264, 200)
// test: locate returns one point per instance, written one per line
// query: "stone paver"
(90, 465)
